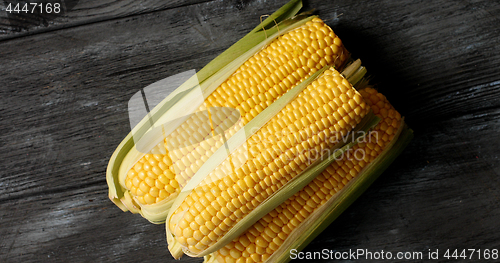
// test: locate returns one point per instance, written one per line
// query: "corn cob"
(314, 122)
(293, 57)
(261, 240)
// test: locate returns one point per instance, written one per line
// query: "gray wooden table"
(65, 82)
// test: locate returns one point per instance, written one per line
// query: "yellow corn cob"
(261, 80)
(261, 240)
(323, 113)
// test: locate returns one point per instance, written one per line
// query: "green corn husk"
(178, 102)
(297, 183)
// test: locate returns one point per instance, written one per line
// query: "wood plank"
(77, 13)
(64, 101)
(77, 226)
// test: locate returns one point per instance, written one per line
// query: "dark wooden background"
(65, 84)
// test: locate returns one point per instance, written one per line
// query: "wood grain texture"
(64, 91)
(14, 25)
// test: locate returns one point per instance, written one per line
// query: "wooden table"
(65, 83)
